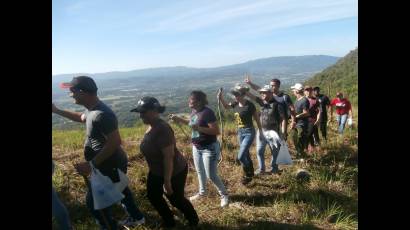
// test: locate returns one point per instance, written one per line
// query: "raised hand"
(247, 79)
(219, 95)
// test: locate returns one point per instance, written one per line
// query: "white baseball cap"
(297, 86)
(266, 88)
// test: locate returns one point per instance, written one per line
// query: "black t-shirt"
(160, 136)
(324, 102)
(271, 114)
(300, 105)
(285, 100)
(243, 115)
(100, 121)
(202, 118)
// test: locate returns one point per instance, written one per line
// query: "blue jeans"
(341, 121)
(206, 163)
(105, 217)
(60, 212)
(245, 138)
(260, 150)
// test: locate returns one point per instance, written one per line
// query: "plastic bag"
(103, 190)
(123, 183)
(284, 157)
(350, 121)
(271, 134)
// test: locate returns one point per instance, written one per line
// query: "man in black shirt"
(324, 102)
(102, 147)
(299, 130)
(273, 124)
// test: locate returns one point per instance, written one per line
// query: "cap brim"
(65, 85)
(138, 110)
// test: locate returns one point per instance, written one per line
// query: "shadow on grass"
(260, 225)
(319, 198)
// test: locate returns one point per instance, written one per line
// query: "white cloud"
(283, 13)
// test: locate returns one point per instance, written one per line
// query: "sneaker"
(131, 222)
(196, 197)
(224, 201)
(276, 172)
(259, 172)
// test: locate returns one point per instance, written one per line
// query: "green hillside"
(341, 76)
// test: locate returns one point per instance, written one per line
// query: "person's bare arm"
(292, 116)
(256, 118)
(212, 129)
(74, 116)
(305, 113)
(222, 100)
(251, 96)
(351, 112)
(251, 84)
(168, 153)
(113, 142)
(175, 118)
(319, 115)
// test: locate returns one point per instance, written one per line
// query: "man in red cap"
(343, 110)
(102, 148)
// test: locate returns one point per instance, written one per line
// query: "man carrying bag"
(102, 148)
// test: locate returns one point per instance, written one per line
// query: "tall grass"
(327, 201)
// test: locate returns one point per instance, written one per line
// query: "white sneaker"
(131, 222)
(196, 197)
(224, 201)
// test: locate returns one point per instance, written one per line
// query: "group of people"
(168, 168)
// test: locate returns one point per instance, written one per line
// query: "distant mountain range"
(172, 85)
(285, 65)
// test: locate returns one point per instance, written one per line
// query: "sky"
(95, 36)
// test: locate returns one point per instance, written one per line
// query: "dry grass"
(327, 201)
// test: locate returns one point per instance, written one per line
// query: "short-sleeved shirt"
(243, 114)
(324, 102)
(202, 118)
(300, 105)
(314, 109)
(271, 113)
(342, 105)
(285, 100)
(101, 121)
(160, 136)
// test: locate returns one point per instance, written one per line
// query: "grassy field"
(327, 201)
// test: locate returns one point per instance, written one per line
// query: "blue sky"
(95, 36)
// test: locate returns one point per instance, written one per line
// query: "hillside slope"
(342, 76)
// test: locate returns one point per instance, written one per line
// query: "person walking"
(244, 111)
(168, 168)
(102, 148)
(205, 146)
(343, 111)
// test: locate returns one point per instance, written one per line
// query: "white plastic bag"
(271, 134)
(103, 190)
(350, 121)
(284, 157)
(123, 183)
